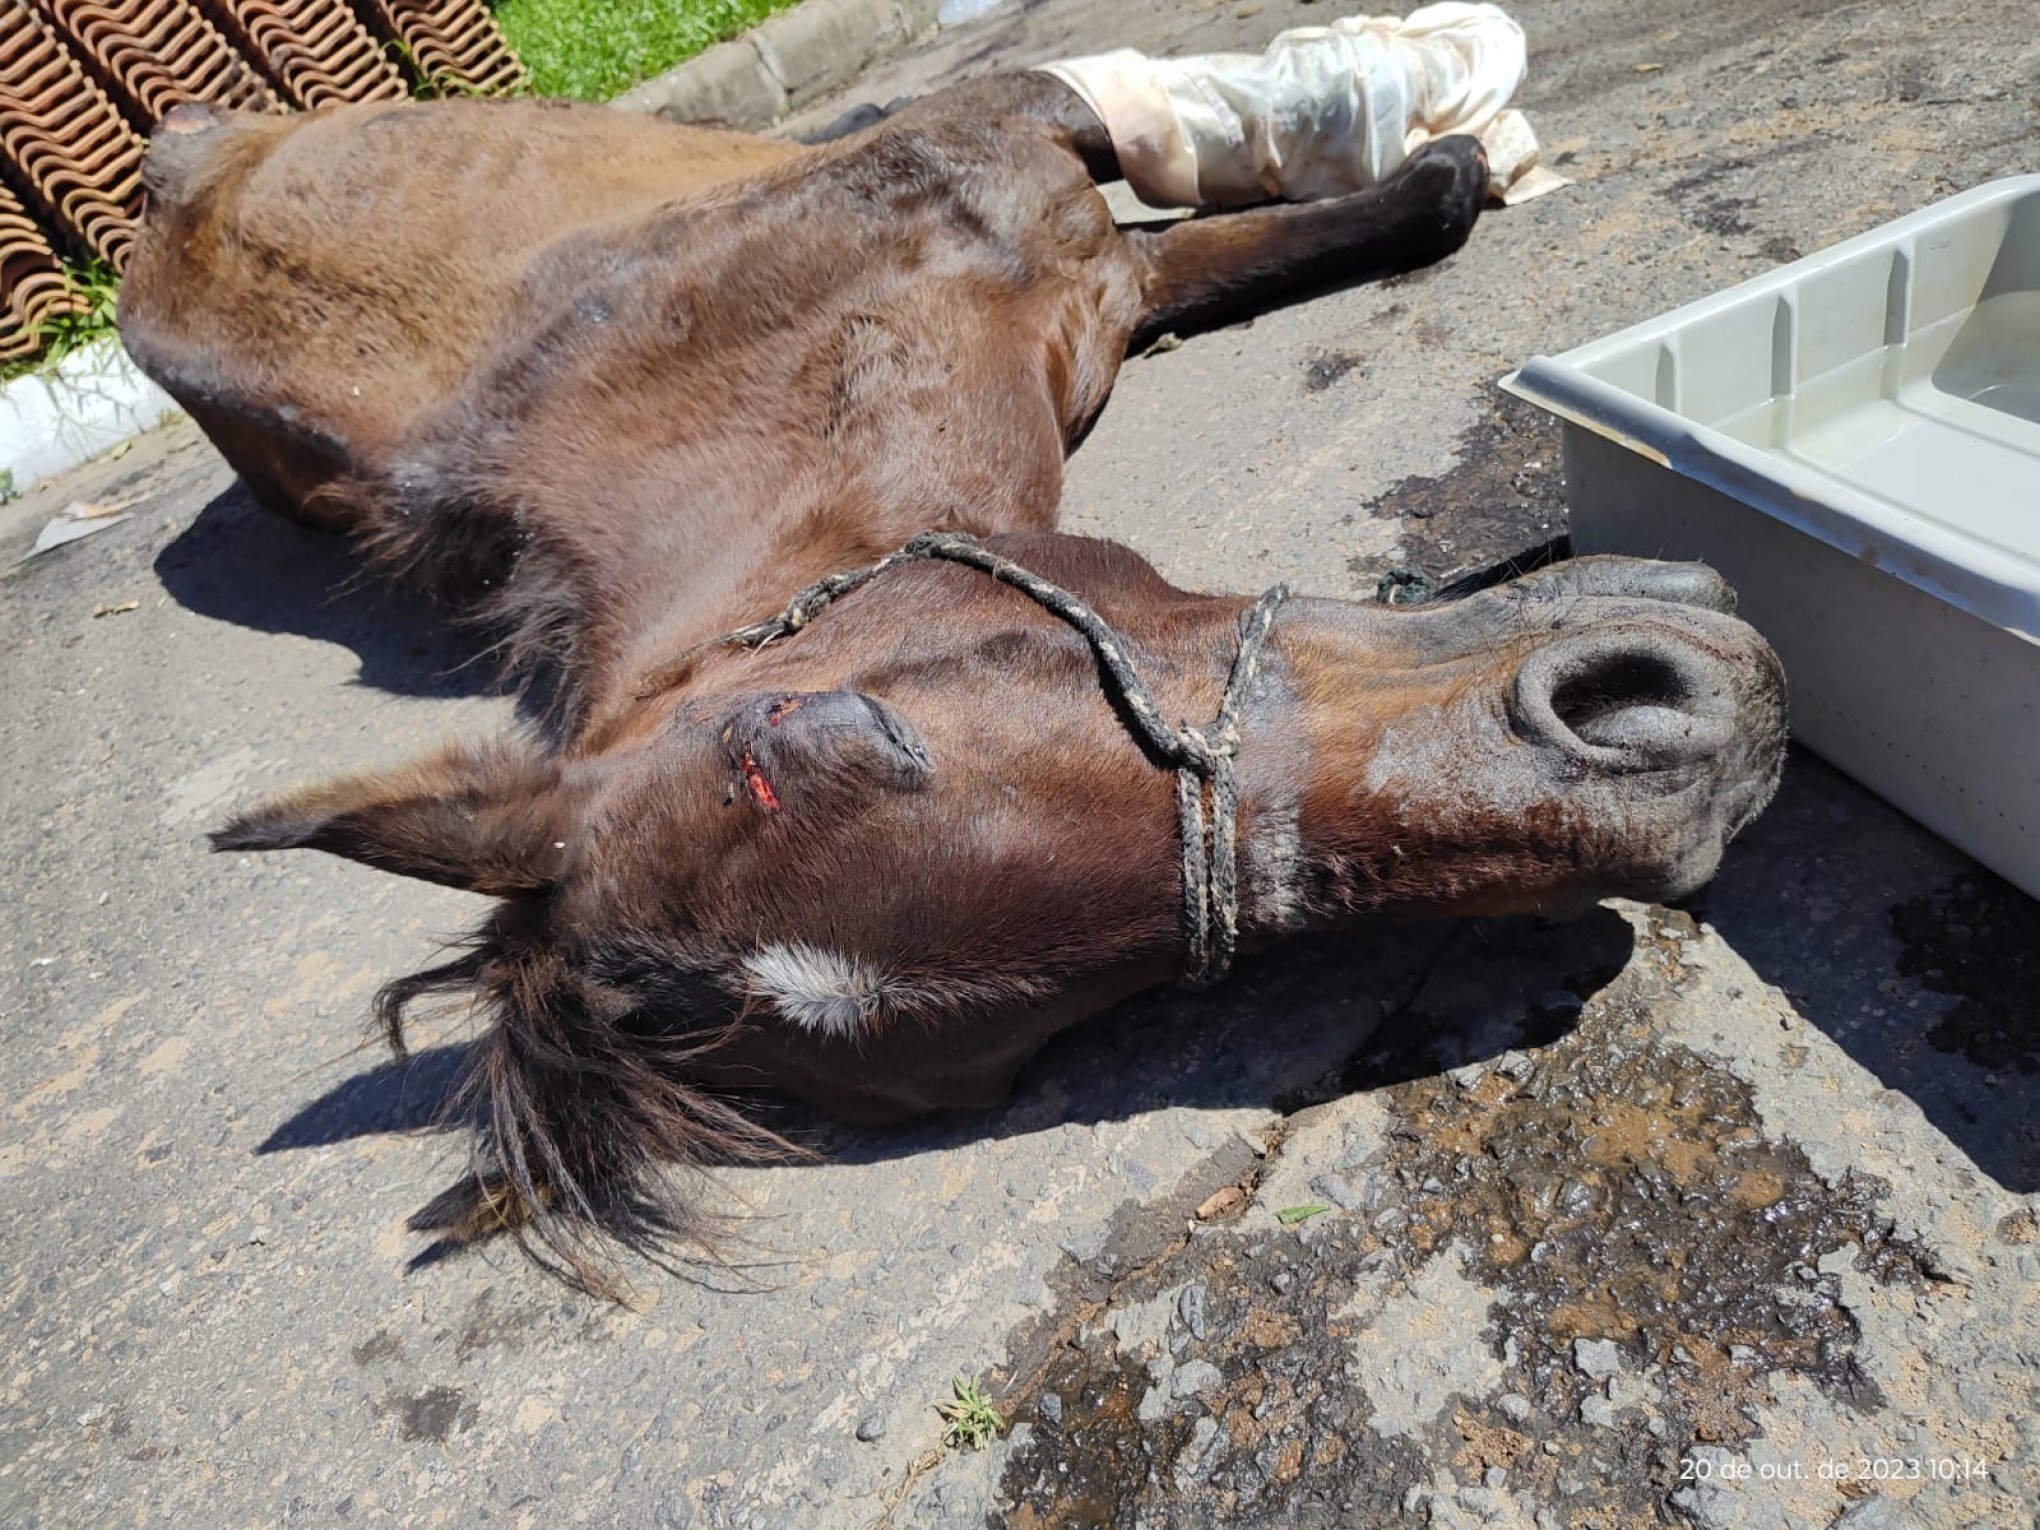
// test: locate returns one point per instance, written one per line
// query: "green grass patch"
(94, 286)
(595, 49)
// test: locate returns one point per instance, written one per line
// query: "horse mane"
(587, 1139)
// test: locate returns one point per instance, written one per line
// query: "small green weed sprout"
(970, 1422)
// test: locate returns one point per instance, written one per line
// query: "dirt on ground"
(1722, 1215)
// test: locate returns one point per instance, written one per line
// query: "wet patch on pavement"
(1549, 1276)
(1702, 203)
(435, 1414)
(1506, 493)
(1326, 368)
(380, 1346)
(1978, 940)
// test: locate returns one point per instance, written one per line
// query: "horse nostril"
(1640, 699)
(1610, 700)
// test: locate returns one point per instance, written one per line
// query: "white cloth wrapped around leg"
(1325, 111)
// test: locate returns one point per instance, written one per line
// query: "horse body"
(616, 388)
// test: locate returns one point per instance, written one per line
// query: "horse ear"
(496, 820)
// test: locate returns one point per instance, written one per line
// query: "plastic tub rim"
(1973, 576)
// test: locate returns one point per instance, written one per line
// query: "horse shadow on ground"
(1920, 965)
(240, 563)
(1296, 1024)
(1305, 1022)
(409, 1094)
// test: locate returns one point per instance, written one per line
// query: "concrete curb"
(777, 68)
(90, 402)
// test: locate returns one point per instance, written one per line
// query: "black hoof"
(1445, 182)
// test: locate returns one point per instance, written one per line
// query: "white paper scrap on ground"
(1323, 112)
(68, 526)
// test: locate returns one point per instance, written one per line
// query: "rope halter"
(1207, 797)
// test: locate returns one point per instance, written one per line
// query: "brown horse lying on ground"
(615, 388)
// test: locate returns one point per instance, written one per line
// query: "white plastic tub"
(1854, 441)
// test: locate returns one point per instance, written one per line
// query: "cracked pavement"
(1657, 1217)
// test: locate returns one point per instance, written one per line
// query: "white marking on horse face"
(821, 991)
(1274, 857)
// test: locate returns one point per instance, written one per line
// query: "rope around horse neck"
(1207, 797)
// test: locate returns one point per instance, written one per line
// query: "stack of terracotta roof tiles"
(31, 279)
(66, 146)
(152, 54)
(81, 80)
(314, 51)
(454, 45)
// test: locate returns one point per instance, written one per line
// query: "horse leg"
(1202, 271)
(1024, 95)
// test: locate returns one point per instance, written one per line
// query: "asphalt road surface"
(1719, 1216)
